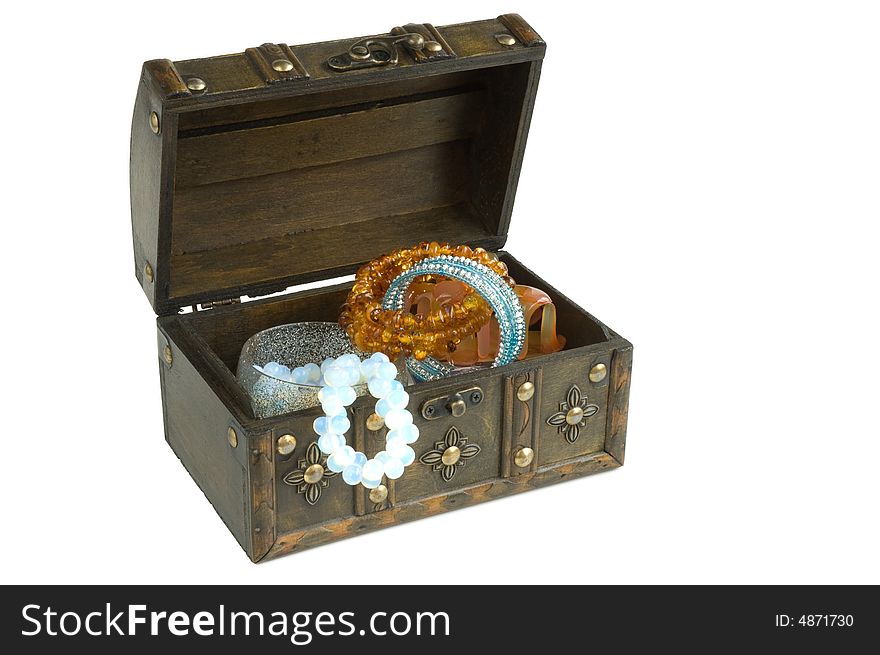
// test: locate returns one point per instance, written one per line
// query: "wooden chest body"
(283, 170)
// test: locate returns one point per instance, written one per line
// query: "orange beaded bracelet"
(437, 332)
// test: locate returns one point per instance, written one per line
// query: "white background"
(702, 176)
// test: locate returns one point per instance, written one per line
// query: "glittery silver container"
(293, 344)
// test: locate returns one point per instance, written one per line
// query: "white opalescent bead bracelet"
(337, 379)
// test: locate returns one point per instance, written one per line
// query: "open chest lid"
(281, 165)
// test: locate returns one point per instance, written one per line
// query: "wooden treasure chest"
(256, 172)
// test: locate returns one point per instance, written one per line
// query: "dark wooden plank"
(254, 210)
(261, 485)
(199, 119)
(620, 374)
(343, 136)
(316, 251)
(197, 421)
(145, 186)
(514, 132)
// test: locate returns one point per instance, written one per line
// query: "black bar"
(517, 619)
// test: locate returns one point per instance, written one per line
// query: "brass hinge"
(216, 303)
(276, 62)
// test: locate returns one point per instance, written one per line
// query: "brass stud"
(375, 422)
(232, 437)
(313, 474)
(526, 391)
(154, 122)
(433, 46)
(457, 407)
(379, 494)
(574, 416)
(505, 39)
(167, 355)
(415, 40)
(196, 84)
(598, 372)
(282, 65)
(286, 444)
(523, 457)
(148, 272)
(451, 456)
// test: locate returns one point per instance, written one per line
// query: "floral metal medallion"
(450, 453)
(312, 475)
(573, 414)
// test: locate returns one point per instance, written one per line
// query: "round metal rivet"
(232, 437)
(286, 444)
(379, 494)
(196, 84)
(148, 272)
(505, 39)
(375, 422)
(314, 474)
(433, 46)
(523, 457)
(598, 373)
(415, 40)
(154, 122)
(451, 456)
(526, 391)
(282, 65)
(575, 416)
(360, 52)
(167, 355)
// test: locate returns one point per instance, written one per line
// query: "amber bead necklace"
(436, 333)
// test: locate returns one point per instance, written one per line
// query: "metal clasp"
(381, 50)
(455, 404)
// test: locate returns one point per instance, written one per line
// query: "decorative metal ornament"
(450, 453)
(573, 414)
(312, 474)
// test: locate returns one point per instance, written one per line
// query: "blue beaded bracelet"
(485, 282)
